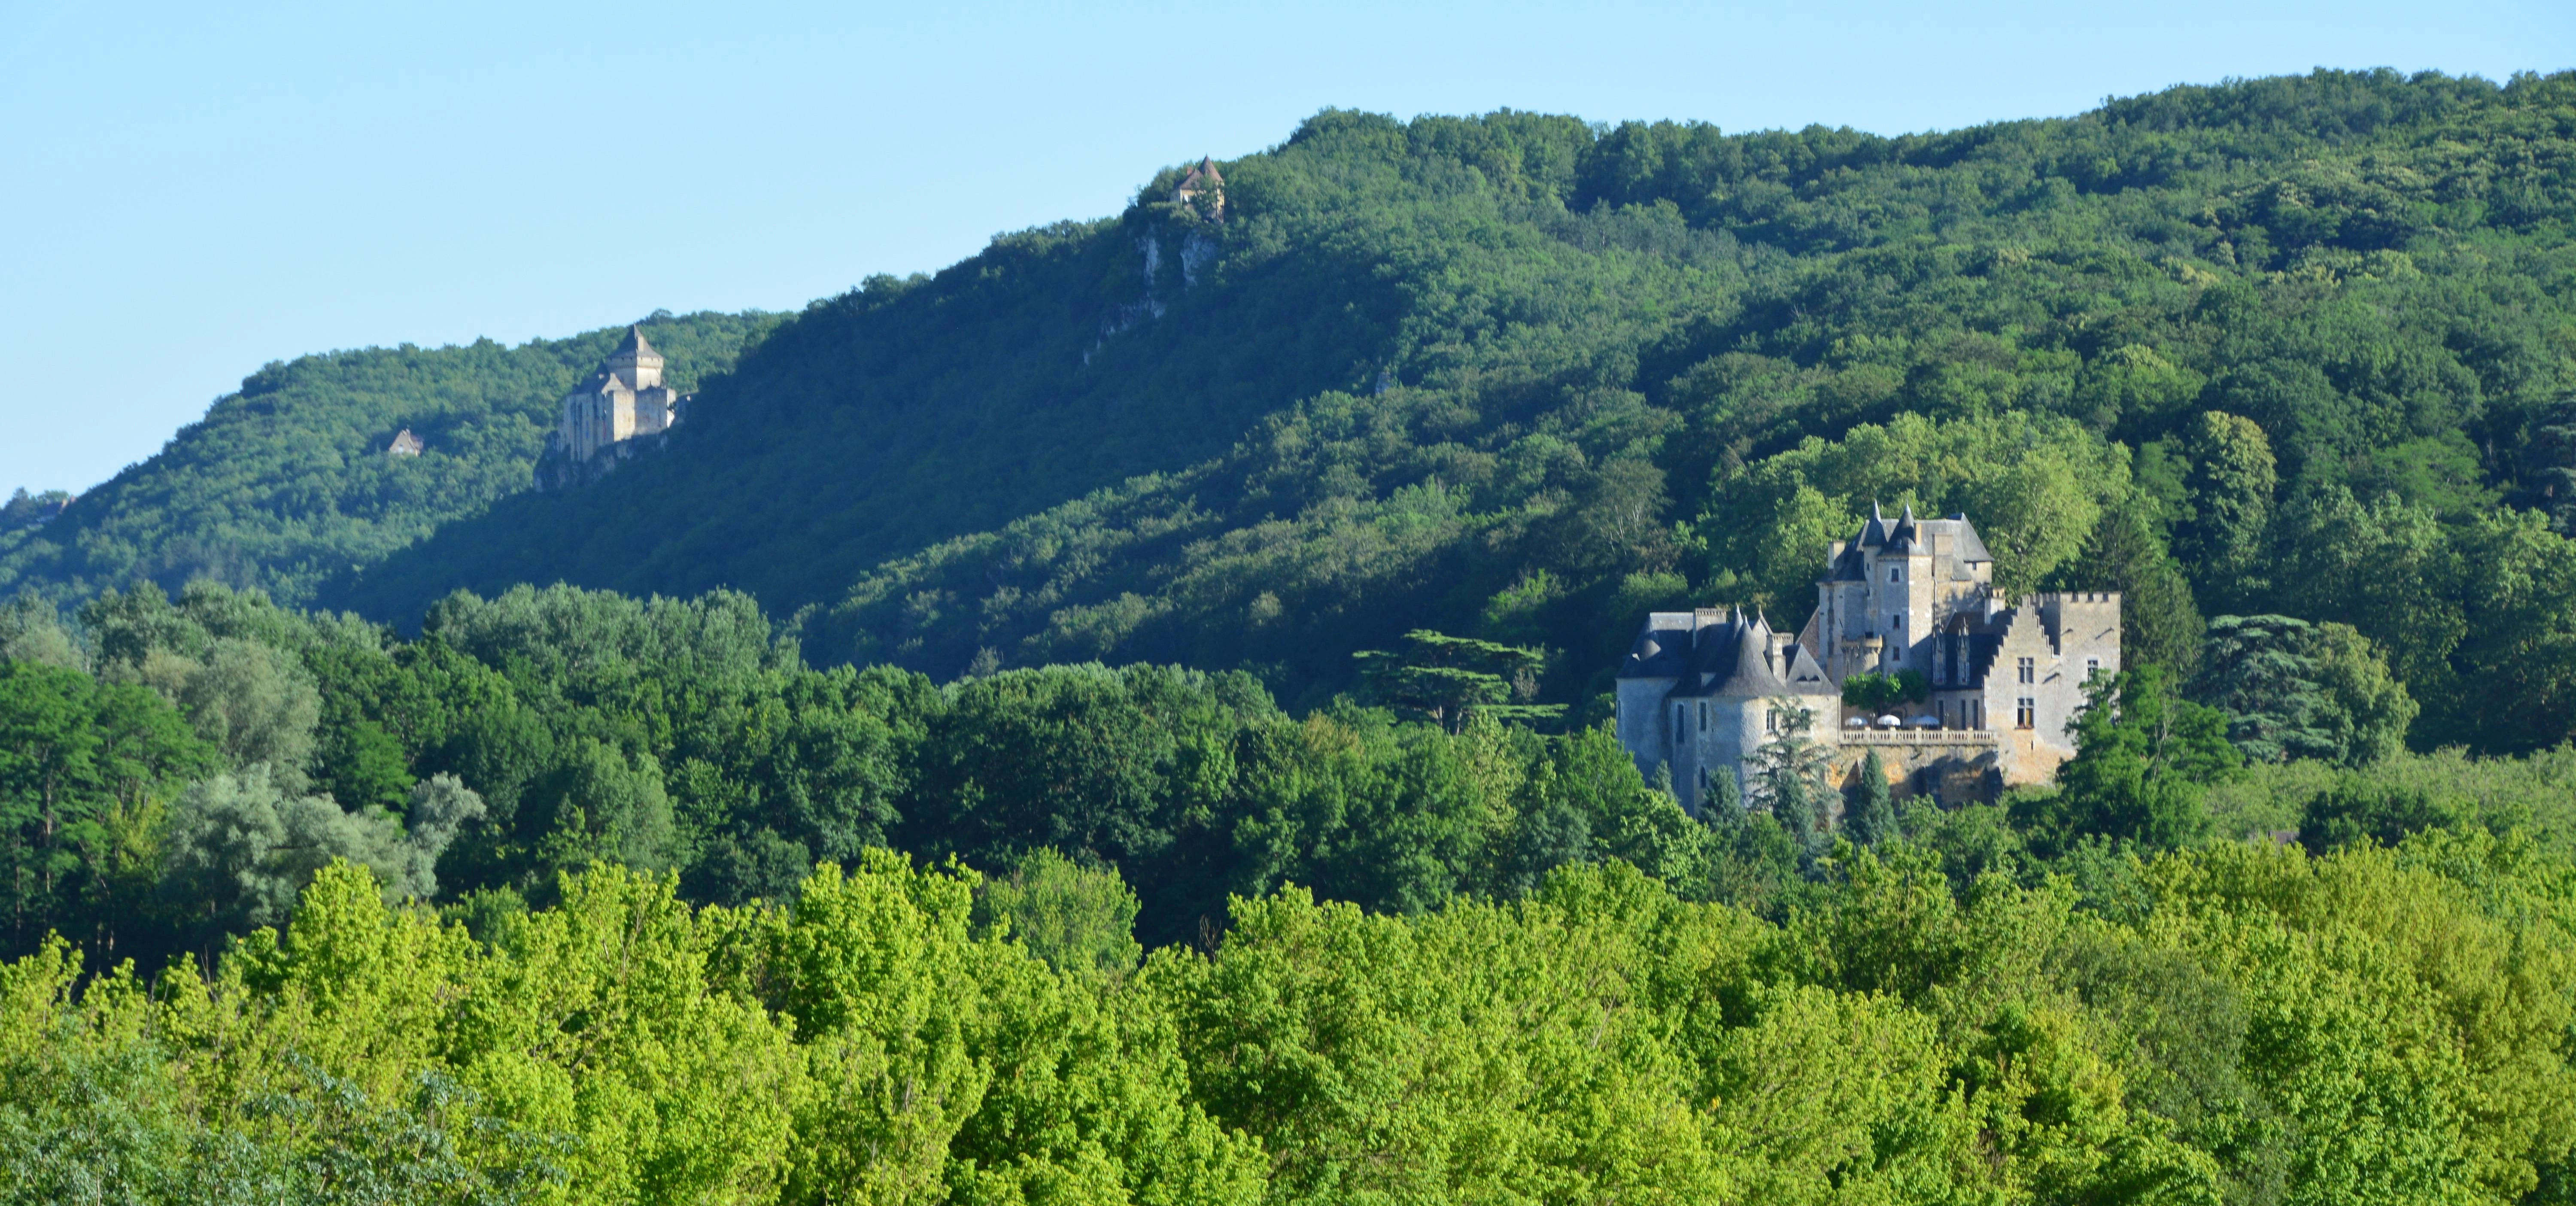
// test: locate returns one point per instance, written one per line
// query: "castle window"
(2025, 713)
(1681, 721)
(1770, 720)
(1703, 716)
(2029, 670)
(1896, 573)
(2092, 668)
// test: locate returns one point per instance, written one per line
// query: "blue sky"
(192, 192)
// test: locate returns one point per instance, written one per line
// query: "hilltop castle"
(1203, 180)
(602, 418)
(1701, 690)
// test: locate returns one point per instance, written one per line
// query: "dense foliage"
(2246, 1024)
(576, 946)
(287, 483)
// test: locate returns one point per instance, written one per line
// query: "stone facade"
(1701, 689)
(2006, 678)
(598, 423)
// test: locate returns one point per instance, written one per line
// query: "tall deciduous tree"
(2232, 480)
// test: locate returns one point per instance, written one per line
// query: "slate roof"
(1903, 539)
(1730, 661)
(1874, 532)
(1719, 653)
(1971, 547)
(1847, 568)
(1662, 648)
(635, 347)
(1965, 545)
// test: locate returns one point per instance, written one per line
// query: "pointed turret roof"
(1904, 538)
(1205, 173)
(635, 347)
(1874, 532)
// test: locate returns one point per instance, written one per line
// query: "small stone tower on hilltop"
(600, 420)
(1203, 179)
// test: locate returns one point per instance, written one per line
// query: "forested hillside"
(286, 483)
(2309, 336)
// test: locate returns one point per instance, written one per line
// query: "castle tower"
(635, 362)
(624, 398)
(1203, 179)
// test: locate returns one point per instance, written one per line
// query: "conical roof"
(1874, 532)
(1903, 539)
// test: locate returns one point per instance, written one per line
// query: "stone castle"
(603, 419)
(1700, 691)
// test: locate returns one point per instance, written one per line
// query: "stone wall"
(1953, 766)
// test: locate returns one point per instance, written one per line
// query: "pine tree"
(1721, 797)
(1789, 775)
(1870, 813)
(2159, 622)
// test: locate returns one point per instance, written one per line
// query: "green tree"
(1076, 918)
(1880, 692)
(256, 703)
(2144, 756)
(2159, 622)
(31, 631)
(241, 850)
(1870, 811)
(1788, 775)
(2299, 690)
(84, 769)
(2261, 672)
(1721, 796)
(2232, 481)
(1442, 678)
